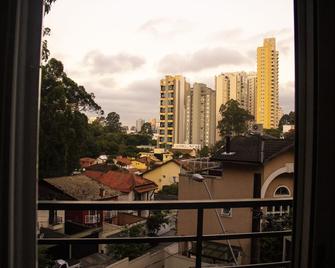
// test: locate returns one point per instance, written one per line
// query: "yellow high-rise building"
(267, 93)
(172, 111)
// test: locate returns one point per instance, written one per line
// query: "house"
(164, 174)
(140, 164)
(253, 167)
(123, 162)
(132, 186)
(87, 161)
(79, 187)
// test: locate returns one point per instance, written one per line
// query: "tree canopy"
(234, 119)
(287, 119)
(146, 129)
(63, 126)
(113, 122)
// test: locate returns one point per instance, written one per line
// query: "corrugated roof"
(82, 187)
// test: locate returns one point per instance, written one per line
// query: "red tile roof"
(123, 181)
(124, 161)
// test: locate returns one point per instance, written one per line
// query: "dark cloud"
(98, 63)
(140, 99)
(201, 59)
(286, 96)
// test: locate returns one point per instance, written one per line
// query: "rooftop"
(82, 187)
(253, 149)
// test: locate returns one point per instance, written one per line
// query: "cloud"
(201, 59)
(139, 99)
(165, 26)
(286, 96)
(227, 35)
(98, 63)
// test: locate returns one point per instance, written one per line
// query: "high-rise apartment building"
(139, 124)
(200, 115)
(172, 110)
(239, 86)
(267, 94)
(251, 92)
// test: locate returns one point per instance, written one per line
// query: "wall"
(168, 170)
(236, 183)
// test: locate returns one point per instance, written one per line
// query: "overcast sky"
(120, 49)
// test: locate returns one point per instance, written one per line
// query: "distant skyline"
(120, 49)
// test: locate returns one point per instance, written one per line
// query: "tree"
(204, 152)
(286, 119)
(113, 122)
(271, 247)
(274, 132)
(63, 126)
(146, 129)
(155, 222)
(234, 119)
(130, 250)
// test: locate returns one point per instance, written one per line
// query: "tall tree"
(146, 129)
(234, 119)
(63, 126)
(113, 122)
(287, 119)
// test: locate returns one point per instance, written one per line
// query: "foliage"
(44, 260)
(171, 189)
(274, 132)
(146, 129)
(113, 122)
(155, 222)
(130, 250)
(63, 126)
(271, 247)
(287, 119)
(234, 119)
(204, 152)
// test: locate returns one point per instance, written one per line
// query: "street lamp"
(199, 178)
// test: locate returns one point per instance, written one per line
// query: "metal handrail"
(198, 205)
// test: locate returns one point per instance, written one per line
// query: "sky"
(120, 49)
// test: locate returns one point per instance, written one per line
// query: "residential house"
(87, 161)
(164, 174)
(132, 186)
(79, 187)
(123, 162)
(254, 167)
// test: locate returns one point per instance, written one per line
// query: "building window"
(226, 212)
(282, 191)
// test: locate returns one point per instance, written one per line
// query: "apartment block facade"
(172, 110)
(200, 115)
(239, 86)
(267, 95)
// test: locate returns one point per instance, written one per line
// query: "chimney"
(102, 192)
(227, 147)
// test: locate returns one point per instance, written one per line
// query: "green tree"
(272, 247)
(204, 152)
(44, 260)
(130, 250)
(146, 129)
(287, 119)
(155, 222)
(113, 122)
(234, 119)
(171, 189)
(274, 132)
(63, 126)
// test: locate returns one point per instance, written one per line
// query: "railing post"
(200, 223)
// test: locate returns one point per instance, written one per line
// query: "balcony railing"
(198, 205)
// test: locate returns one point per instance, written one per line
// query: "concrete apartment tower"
(139, 124)
(200, 115)
(238, 86)
(172, 111)
(267, 94)
(251, 92)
